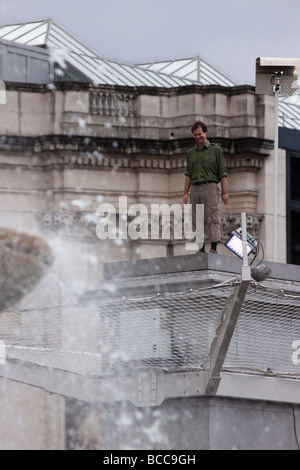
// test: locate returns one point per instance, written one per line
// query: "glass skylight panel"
(210, 73)
(59, 54)
(192, 76)
(293, 100)
(138, 77)
(190, 71)
(174, 68)
(36, 36)
(287, 122)
(118, 75)
(97, 73)
(18, 32)
(4, 30)
(206, 79)
(177, 67)
(188, 68)
(58, 34)
(170, 80)
(211, 76)
(156, 66)
(147, 77)
(289, 115)
(289, 109)
(82, 65)
(105, 74)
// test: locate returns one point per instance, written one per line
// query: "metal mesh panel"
(65, 338)
(264, 86)
(266, 333)
(169, 331)
(267, 67)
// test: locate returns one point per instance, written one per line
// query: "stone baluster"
(97, 103)
(111, 103)
(114, 105)
(120, 105)
(130, 105)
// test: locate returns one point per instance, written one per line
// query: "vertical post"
(246, 271)
(221, 343)
(275, 184)
(244, 238)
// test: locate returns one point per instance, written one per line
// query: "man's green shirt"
(206, 164)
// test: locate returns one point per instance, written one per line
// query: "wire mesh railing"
(267, 334)
(168, 331)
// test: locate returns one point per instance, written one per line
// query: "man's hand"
(185, 198)
(225, 198)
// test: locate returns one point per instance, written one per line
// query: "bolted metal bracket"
(147, 387)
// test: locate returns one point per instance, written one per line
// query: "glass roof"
(168, 73)
(289, 112)
(192, 68)
(31, 34)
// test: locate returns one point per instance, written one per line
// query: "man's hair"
(199, 124)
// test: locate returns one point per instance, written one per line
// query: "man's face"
(200, 137)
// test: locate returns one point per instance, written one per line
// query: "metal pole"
(246, 271)
(221, 345)
(244, 238)
(275, 185)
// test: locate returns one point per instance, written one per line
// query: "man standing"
(205, 169)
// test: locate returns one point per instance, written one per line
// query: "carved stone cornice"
(85, 86)
(63, 150)
(243, 163)
(252, 145)
(128, 147)
(118, 162)
(230, 222)
(80, 225)
(77, 225)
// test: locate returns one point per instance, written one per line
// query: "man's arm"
(225, 195)
(187, 184)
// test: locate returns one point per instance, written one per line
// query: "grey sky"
(228, 34)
